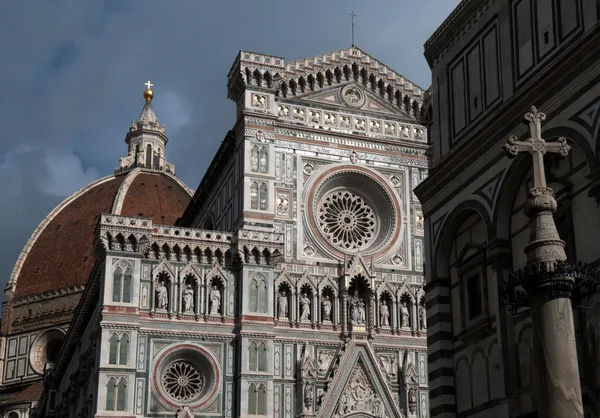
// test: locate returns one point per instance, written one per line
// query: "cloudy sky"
(72, 75)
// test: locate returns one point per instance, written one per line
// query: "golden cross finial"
(148, 93)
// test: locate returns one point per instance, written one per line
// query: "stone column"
(553, 329)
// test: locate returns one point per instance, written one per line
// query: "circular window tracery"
(182, 381)
(347, 220)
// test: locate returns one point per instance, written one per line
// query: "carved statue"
(259, 101)
(326, 308)
(384, 314)
(378, 408)
(188, 299)
(405, 316)
(308, 397)
(215, 300)
(361, 311)
(324, 359)
(305, 304)
(423, 317)
(282, 305)
(185, 412)
(412, 400)
(388, 363)
(162, 297)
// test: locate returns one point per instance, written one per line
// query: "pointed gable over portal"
(359, 387)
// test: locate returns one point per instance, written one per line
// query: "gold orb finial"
(148, 93)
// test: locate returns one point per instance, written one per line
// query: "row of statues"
(356, 309)
(162, 299)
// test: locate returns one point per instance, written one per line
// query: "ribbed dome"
(60, 252)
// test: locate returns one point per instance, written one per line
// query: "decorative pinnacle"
(148, 93)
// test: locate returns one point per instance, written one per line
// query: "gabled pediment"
(468, 251)
(353, 96)
(359, 387)
(359, 266)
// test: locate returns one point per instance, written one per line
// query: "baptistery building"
(290, 284)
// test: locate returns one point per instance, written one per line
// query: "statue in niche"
(405, 315)
(308, 397)
(378, 408)
(188, 299)
(282, 305)
(305, 304)
(358, 310)
(412, 400)
(215, 300)
(259, 101)
(185, 412)
(423, 317)
(326, 308)
(162, 297)
(384, 314)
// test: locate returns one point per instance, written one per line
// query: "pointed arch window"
(261, 358)
(257, 400)
(148, 156)
(115, 395)
(252, 357)
(258, 295)
(263, 196)
(118, 349)
(254, 195)
(263, 160)
(254, 159)
(122, 286)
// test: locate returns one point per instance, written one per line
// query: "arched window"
(252, 357)
(264, 159)
(252, 401)
(117, 285)
(261, 401)
(122, 286)
(127, 287)
(254, 159)
(262, 296)
(263, 196)
(113, 349)
(149, 156)
(262, 358)
(121, 395)
(253, 296)
(110, 395)
(254, 195)
(123, 346)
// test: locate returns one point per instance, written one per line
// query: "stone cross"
(536, 146)
(148, 84)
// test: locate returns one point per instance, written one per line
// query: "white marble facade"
(294, 284)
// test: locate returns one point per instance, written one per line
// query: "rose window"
(346, 220)
(182, 381)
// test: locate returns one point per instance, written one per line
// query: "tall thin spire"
(353, 15)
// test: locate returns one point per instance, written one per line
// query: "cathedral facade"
(492, 61)
(292, 283)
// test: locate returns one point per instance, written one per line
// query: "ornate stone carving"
(259, 101)
(324, 358)
(412, 400)
(352, 96)
(283, 111)
(359, 396)
(346, 220)
(182, 381)
(357, 312)
(308, 168)
(389, 365)
(283, 204)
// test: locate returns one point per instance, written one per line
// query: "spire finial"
(353, 16)
(148, 93)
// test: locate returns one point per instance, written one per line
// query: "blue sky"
(72, 76)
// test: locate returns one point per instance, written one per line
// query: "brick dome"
(60, 252)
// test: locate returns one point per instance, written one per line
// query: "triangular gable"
(308, 280)
(216, 271)
(190, 270)
(163, 267)
(468, 251)
(330, 282)
(359, 387)
(372, 102)
(284, 277)
(359, 266)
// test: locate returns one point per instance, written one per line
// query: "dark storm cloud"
(73, 71)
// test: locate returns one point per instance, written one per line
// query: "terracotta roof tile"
(30, 393)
